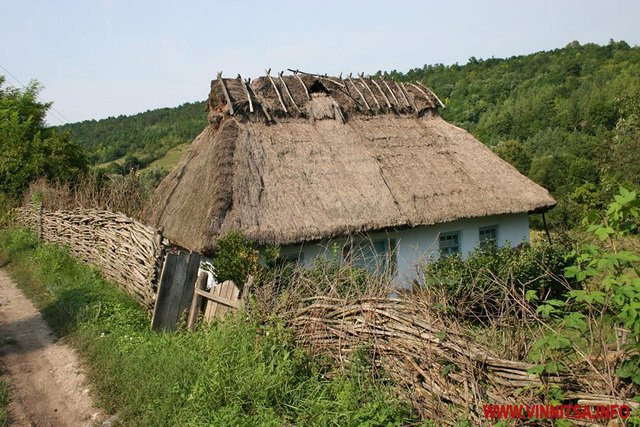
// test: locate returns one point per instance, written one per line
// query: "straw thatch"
(321, 157)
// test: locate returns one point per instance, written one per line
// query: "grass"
(170, 158)
(4, 403)
(235, 372)
(167, 162)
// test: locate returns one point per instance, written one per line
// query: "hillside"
(567, 118)
(141, 138)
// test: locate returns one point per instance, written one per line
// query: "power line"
(55, 113)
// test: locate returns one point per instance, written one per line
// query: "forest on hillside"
(141, 138)
(567, 118)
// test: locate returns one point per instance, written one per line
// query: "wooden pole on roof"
(427, 97)
(226, 94)
(264, 109)
(369, 90)
(335, 82)
(286, 89)
(246, 92)
(390, 91)
(348, 92)
(432, 93)
(383, 94)
(406, 96)
(319, 76)
(306, 91)
(284, 107)
(344, 85)
(359, 93)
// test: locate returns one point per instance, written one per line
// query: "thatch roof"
(329, 164)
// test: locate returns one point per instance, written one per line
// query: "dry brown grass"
(125, 194)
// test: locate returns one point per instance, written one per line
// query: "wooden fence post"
(41, 222)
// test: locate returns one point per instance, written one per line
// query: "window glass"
(449, 243)
(287, 259)
(488, 236)
(373, 256)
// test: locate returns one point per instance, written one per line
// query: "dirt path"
(48, 385)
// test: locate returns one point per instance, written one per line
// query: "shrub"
(235, 258)
(607, 299)
(479, 285)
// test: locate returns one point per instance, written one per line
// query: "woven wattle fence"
(437, 365)
(126, 251)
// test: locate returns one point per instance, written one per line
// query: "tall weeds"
(127, 194)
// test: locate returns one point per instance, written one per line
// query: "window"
(287, 259)
(374, 256)
(449, 243)
(488, 237)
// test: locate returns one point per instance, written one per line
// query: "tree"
(514, 152)
(28, 148)
(623, 166)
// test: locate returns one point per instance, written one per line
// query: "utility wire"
(55, 113)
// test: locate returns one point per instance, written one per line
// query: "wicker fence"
(439, 367)
(126, 251)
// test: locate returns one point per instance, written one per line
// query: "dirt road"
(48, 385)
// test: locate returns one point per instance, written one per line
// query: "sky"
(101, 58)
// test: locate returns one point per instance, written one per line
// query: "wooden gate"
(221, 299)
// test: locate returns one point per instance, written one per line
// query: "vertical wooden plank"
(176, 292)
(228, 291)
(221, 309)
(189, 282)
(210, 311)
(172, 314)
(194, 310)
(234, 295)
(166, 280)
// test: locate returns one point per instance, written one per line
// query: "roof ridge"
(269, 98)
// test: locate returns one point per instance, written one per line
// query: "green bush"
(235, 259)
(478, 286)
(607, 298)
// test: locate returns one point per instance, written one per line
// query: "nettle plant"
(607, 301)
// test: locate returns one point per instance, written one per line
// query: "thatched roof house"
(297, 158)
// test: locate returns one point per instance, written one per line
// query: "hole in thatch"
(318, 87)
